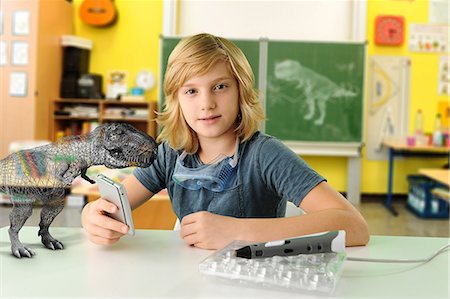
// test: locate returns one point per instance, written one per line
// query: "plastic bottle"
(437, 133)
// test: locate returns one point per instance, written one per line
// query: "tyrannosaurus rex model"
(45, 172)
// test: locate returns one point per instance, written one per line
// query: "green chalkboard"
(315, 91)
(249, 47)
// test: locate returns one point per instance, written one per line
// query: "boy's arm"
(325, 209)
(137, 193)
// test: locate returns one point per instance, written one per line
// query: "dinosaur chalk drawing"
(43, 173)
(317, 88)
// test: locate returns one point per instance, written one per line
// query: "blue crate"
(422, 202)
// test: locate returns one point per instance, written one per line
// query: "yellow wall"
(131, 44)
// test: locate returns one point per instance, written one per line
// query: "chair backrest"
(291, 211)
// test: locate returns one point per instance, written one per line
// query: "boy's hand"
(101, 228)
(208, 231)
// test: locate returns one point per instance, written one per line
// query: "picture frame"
(18, 84)
(19, 53)
(3, 53)
(1, 22)
(21, 22)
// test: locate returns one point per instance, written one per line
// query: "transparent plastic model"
(308, 272)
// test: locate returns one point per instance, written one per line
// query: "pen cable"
(425, 260)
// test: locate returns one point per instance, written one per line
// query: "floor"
(380, 221)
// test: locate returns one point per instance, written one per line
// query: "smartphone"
(115, 193)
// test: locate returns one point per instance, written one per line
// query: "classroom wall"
(131, 44)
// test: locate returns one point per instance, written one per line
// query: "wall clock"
(145, 80)
(389, 30)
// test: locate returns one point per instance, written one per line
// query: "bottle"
(437, 133)
(418, 130)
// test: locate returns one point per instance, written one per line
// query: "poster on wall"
(21, 22)
(18, 82)
(19, 53)
(388, 102)
(428, 38)
(444, 76)
(438, 13)
(3, 49)
(1, 22)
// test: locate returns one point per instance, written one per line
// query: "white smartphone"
(115, 193)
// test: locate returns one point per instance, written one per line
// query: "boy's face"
(210, 102)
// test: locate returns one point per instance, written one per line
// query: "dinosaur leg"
(49, 211)
(322, 105)
(19, 214)
(311, 108)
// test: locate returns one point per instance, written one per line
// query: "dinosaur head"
(288, 70)
(125, 146)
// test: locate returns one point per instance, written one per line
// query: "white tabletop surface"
(158, 264)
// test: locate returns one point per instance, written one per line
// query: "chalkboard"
(315, 91)
(249, 47)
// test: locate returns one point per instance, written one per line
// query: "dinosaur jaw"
(121, 158)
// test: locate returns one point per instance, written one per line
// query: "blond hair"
(194, 56)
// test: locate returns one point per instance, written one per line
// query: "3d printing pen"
(331, 241)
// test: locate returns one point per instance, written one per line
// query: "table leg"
(354, 180)
(388, 202)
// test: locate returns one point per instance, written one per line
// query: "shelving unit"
(96, 112)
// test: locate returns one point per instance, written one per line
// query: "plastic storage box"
(311, 274)
(422, 202)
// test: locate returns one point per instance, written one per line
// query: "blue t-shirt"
(268, 174)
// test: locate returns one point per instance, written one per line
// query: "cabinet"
(79, 116)
(30, 66)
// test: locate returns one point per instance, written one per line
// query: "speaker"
(68, 87)
(75, 61)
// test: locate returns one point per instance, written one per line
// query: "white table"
(158, 264)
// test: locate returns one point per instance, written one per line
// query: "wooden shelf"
(125, 119)
(78, 101)
(62, 117)
(66, 124)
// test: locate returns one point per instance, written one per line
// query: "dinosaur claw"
(53, 244)
(23, 252)
(27, 254)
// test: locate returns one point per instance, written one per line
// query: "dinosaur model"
(44, 173)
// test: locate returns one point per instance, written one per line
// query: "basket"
(422, 202)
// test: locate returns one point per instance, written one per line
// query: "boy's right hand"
(101, 228)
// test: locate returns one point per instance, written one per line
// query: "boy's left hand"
(208, 231)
